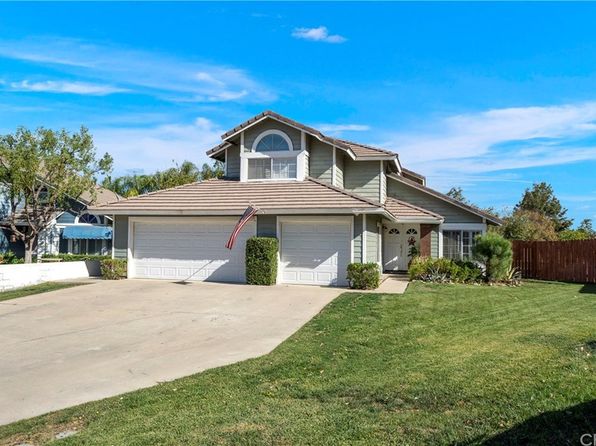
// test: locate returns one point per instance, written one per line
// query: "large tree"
(187, 172)
(41, 173)
(541, 198)
(528, 225)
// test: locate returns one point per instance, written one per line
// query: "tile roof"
(402, 210)
(363, 150)
(359, 150)
(225, 197)
(102, 196)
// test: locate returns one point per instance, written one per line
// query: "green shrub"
(113, 269)
(10, 258)
(76, 257)
(444, 270)
(364, 276)
(261, 260)
(496, 255)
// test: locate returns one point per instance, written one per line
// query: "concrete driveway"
(80, 344)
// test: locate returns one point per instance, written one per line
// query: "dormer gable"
(270, 147)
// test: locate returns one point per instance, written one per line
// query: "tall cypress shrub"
(261, 260)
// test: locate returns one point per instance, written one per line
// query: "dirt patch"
(45, 433)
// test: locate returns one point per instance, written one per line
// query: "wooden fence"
(565, 261)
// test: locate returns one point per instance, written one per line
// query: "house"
(73, 231)
(329, 202)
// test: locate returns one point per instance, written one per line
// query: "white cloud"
(83, 88)
(162, 75)
(149, 148)
(320, 34)
(339, 128)
(500, 139)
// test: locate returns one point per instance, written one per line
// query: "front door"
(398, 243)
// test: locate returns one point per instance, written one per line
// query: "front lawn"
(442, 364)
(36, 289)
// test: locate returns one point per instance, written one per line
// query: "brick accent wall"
(425, 235)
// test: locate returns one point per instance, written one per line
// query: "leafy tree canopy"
(41, 173)
(187, 172)
(583, 232)
(541, 198)
(457, 193)
(528, 225)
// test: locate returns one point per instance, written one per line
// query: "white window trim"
(271, 158)
(481, 227)
(272, 132)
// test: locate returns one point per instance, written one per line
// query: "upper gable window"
(272, 141)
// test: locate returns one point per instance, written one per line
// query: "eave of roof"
(441, 196)
(225, 197)
(404, 211)
(414, 174)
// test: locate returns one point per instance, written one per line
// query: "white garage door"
(190, 249)
(315, 253)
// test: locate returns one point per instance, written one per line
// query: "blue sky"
(487, 96)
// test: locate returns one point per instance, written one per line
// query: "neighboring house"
(74, 231)
(328, 201)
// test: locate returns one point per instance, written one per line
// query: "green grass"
(442, 364)
(36, 289)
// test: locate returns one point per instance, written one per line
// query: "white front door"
(398, 241)
(315, 252)
(188, 248)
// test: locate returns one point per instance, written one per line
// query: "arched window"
(89, 218)
(394, 231)
(272, 141)
(412, 231)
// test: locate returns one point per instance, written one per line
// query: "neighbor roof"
(225, 197)
(102, 196)
(403, 211)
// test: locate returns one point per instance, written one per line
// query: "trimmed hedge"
(76, 257)
(261, 260)
(113, 269)
(444, 270)
(364, 276)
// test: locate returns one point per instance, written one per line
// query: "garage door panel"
(315, 253)
(190, 250)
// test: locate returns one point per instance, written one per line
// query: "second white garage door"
(315, 252)
(189, 249)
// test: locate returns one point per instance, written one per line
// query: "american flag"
(248, 213)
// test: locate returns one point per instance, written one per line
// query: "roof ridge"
(270, 113)
(345, 192)
(405, 203)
